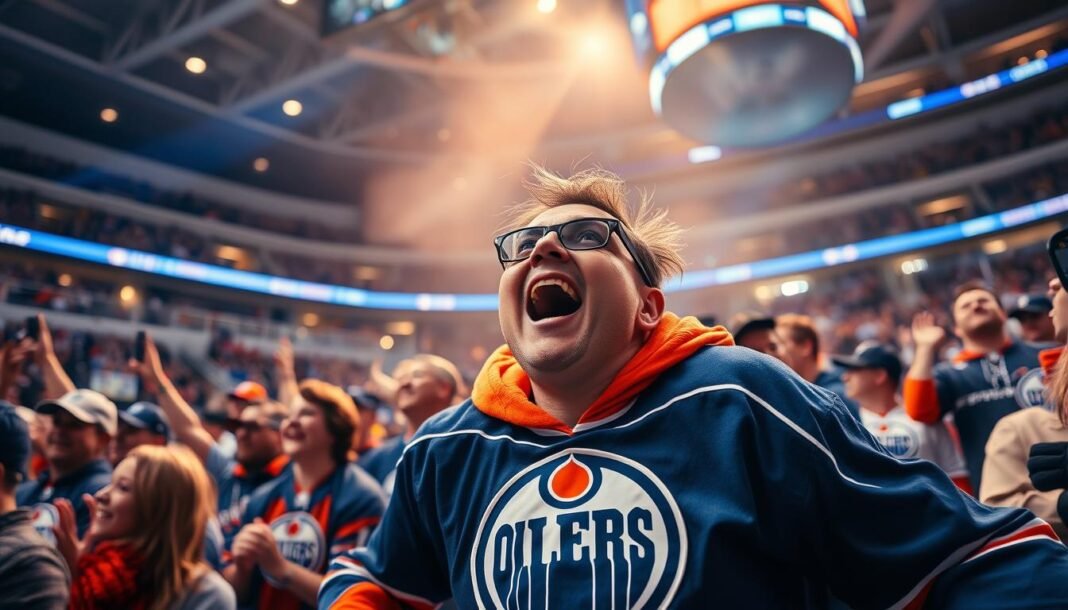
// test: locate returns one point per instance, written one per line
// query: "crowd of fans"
(153, 488)
(21, 207)
(855, 310)
(235, 454)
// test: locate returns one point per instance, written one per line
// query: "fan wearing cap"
(1033, 313)
(32, 572)
(83, 424)
(246, 393)
(426, 384)
(871, 377)
(755, 331)
(367, 404)
(142, 423)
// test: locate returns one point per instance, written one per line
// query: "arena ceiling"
(444, 83)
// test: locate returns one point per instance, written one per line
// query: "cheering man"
(613, 454)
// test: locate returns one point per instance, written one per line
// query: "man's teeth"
(552, 282)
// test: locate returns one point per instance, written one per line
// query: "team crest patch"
(44, 517)
(899, 439)
(300, 539)
(1030, 391)
(580, 527)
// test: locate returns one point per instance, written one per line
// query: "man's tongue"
(551, 301)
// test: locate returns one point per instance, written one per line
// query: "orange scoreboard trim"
(669, 19)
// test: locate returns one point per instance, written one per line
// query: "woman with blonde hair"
(145, 544)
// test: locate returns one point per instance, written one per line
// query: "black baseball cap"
(364, 400)
(746, 321)
(1030, 304)
(873, 356)
(15, 450)
(146, 416)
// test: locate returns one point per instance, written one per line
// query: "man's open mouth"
(552, 298)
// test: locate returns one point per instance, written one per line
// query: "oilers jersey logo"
(300, 539)
(1030, 390)
(900, 440)
(44, 517)
(581, 524)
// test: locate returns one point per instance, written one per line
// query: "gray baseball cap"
(88, 406)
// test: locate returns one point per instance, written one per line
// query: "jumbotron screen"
(668, 19)
(340, 15)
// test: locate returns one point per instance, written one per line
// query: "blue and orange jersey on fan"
(703, 476)
(978, 389)
(235, 485)
(312, 527)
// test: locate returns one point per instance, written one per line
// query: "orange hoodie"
(502, 389)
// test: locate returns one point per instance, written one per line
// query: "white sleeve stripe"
(702, 390)
(961, 556)
(760, 401)
(949, 562)
(335, 574)
(1008, 544)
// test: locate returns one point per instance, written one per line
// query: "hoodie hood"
(503, 390)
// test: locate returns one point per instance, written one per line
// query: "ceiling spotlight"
(386, 342)
(288, 2)
(292, 107)
(261, 164)
(196, 65)
(546, 6)
(109, 115)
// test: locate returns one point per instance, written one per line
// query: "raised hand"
(151, 369)
(44, 346)
(68, 543)
(283, 358)
(925, 333)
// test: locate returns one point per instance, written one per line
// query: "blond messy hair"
(656, 239)
(173, 503)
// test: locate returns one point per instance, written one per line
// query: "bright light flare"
(292, 107)
(196, 65)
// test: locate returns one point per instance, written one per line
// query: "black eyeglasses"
(1058, 255)
(579, 234)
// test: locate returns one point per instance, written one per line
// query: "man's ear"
(652, 309)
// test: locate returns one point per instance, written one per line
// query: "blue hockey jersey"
(728, 482)
(39, 494)
(311, 527)
(979, 389)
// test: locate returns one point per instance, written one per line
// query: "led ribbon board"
(40, 241)
(742, 73)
